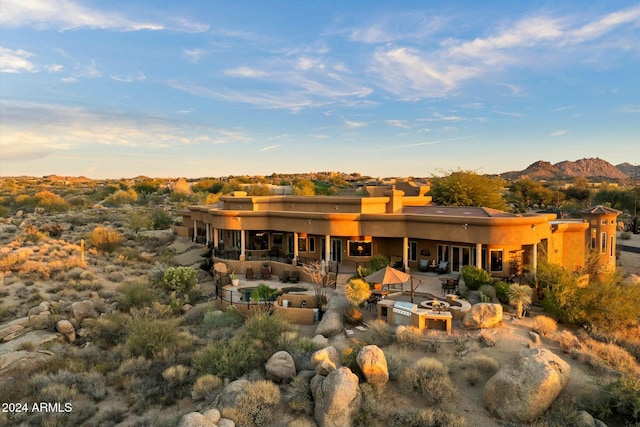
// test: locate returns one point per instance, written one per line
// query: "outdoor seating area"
(451, 285)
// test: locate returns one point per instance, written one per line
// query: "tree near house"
(467, 188)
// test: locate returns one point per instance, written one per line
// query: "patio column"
(295, 248)
(327, 247)
(243, 242)
(405, 253)
(478, 255)
(207, 230)
(216, 237)
(534, 259)
(195, 230)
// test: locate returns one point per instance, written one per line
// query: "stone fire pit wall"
(294, 311)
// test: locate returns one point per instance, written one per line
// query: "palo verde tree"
(467, 188)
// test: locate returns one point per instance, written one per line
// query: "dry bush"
(379, 333)
(115, 276)
(544, 325)
(409, 336)
(37, 268)
(567, 341)
(205, 386)
(298, 396)
(428, 379)
(105, 239)
(478, 367)
(255, 406)
(613, 355)
(426, 417)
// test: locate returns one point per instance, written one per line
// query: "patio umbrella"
(388, 276)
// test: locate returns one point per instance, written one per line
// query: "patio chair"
(294, 276)
(372, 302)
(442, 267)
(284, 278)
(424, 265)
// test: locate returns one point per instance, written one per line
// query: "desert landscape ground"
(132, 352)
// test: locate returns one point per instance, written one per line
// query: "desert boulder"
(337, 396)
(526, 385)
(483, 315)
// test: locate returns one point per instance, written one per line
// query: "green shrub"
(121, 197)
(180, 279)
(425, 418)
(501, 291)
(624, 397)
(475, 277)
(110, 329)
(379, 333)
(161, 219)
(266, 330)
(148, 337)
(490, 292)
(228, 358)
(51, 202)
(427, 378)
(478, 367)
(298, 396)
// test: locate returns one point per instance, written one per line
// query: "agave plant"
(520, 296)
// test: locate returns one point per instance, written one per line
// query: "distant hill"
(588, 168)
(630, 170)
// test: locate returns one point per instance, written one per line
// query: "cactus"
(82, 252)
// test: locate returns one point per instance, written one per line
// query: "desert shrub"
(353, 315)
(105, 239)
(229, 318)
(409, 336)
(115, 276)
(135, 295)
(136, 366)
(478, 367)
(5, 212)
(120, 198)
(426, 417)
(475, 277)
(156, 272)
(255, 406)
(51, 202)
(377, 262)
(427, 378)
(379, 333)
(561, 413)
(623, 396)
(180, 279)
(544, 325)
(489, 291)
(57, 392)
(205, 386)
(161, 219)
(567, 341)
(228, 358)
(613, 355)
(357, 291)
(148, 336)
(266, 330)
(178, 379)
(349, 357)
(625, 235)
(298, 396)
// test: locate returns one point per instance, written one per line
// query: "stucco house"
(406, 228)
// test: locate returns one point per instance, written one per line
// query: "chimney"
(394, 205)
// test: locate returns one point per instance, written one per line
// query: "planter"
(235, 282)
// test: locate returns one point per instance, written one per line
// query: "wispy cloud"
(609, 22)
(32, 129)
(418, 144)
(193, 55)
(559, 132)
(630, 109)
(140, 77)
(355, 125)
(269, 147)
(66, 15)
(16, 61)
(398, 123)
(245, 72)
(508, 113)
(397, 27)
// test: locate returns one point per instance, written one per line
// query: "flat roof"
(462, 211)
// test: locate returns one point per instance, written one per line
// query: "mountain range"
(587, 168)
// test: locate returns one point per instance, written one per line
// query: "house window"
(611, 244)
(359, 248)
(603, 222)
(603, 243)
(594, 238)
(496, 259)
(302, 244)
(413, 251)
(258, 240)
(235, 239)
(277, 240)
(443, 253)
(312, 244)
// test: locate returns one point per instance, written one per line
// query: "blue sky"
(112, 89)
